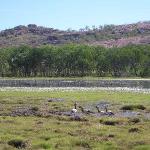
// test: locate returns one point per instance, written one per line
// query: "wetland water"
(133, 85)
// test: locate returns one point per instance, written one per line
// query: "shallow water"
(122, 85)
(127, 83)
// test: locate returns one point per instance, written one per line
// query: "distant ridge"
(108, 35)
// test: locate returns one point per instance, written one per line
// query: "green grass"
(60, 132)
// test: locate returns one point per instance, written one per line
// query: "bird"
(82, 109)
(109, 112)
(106, 112)
(74, 110)
(102, 111)
(75, 105)
(99, 111)
(87, 111)
(106, 109)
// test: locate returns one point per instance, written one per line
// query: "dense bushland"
(75, 60)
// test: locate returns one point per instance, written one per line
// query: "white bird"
(109, 111)
(74, 110)
(102, 112)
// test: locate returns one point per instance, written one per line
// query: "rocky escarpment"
(108, 35)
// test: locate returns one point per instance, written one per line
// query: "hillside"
(108, 35)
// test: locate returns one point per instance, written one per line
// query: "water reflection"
(141, 84)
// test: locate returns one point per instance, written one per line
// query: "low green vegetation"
(39, 132)
(132, 107)
(75, 61)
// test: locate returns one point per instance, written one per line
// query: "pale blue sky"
(75, 14)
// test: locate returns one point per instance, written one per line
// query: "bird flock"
(105, 111)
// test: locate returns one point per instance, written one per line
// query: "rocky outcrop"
(124, 41)
(108, 36)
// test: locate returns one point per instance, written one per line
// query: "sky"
(74, 14)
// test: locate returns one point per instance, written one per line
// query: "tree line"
(74, 60)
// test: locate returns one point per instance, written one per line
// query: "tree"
(4, 66)
(19, 61)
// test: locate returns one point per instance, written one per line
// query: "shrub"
(17, 143)
(45, 146)
(134, 120)
(109, 122)
(78, 118)
(132, 107)
(127, 107)
(133, 130)
(34, 108)
(140, 107)
(46, 138)
(83, 143)
(111, 135)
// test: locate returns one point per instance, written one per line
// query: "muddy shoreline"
(27, 110)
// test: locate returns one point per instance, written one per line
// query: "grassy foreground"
(61, 132)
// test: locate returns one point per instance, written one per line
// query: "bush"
(127, 107)
(45, 146)
(17, 143)
(109, 122)
(133, 130)
(78, 118)
(140, 107)
(34, 108)
(111, 135)
(134, 120)
(83, 143)
(132, 107)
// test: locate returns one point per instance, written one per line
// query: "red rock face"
(108, 36)
(124, 41)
